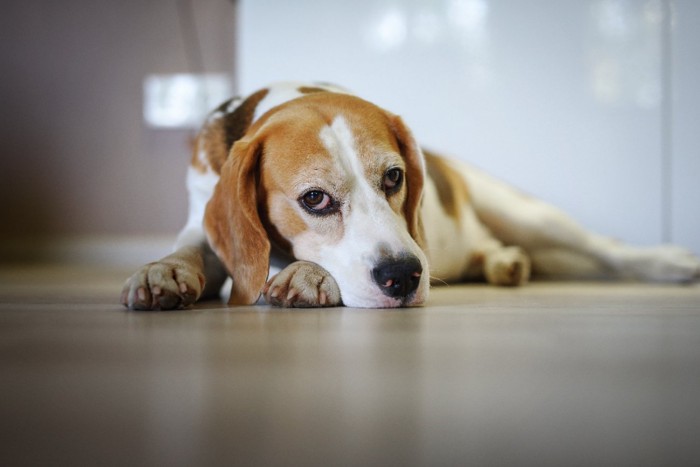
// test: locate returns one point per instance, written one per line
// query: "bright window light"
(182, 100)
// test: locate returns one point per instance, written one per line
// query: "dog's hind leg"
(497, 263)
(560, 247)
(461, 248)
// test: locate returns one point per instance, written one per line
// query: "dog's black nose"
(398, 278)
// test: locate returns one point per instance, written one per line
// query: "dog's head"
(336, 181)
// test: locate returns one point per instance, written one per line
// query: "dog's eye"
(318, 202)
(393, 178)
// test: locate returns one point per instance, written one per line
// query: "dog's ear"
(415, 176)
(233, 224)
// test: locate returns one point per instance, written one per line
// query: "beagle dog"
(337, 193)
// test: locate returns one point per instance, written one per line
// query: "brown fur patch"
(211, 140)
(310, 89)
(233, 225)
(452, 189)
(237, 122)
(196, 162)
(217, 136)
(294, 155)
(288, 219)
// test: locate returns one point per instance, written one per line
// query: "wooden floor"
(550, 374)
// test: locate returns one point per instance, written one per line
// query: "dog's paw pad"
(162, 286)
(509, 266)
(302, 285)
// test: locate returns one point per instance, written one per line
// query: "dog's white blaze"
(340, 142)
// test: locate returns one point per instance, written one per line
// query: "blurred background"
(592, 105)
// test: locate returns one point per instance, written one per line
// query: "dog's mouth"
(382, 302)
(409, 301)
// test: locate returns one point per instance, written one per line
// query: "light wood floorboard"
(548, 374)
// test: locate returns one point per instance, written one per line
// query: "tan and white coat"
(337, 192)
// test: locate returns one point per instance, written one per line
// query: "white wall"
(591, 105)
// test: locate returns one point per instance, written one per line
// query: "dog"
(336, 191)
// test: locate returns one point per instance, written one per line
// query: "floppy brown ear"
(415, 175)
(233, 224)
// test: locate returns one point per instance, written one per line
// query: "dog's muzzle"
(398, 278)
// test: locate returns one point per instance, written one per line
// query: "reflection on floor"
(549, 374)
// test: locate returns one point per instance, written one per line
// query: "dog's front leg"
(302, 284)
(176, 281)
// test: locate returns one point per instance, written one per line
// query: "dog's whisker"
(437, 279)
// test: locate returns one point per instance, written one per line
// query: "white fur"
(200, 187)
(279, 93)
(452, 243)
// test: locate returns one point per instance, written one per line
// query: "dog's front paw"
(163, 285)
(507, 266)
(302, 284)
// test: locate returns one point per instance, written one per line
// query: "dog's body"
(336, 187)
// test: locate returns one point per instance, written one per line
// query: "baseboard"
(117, 251)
